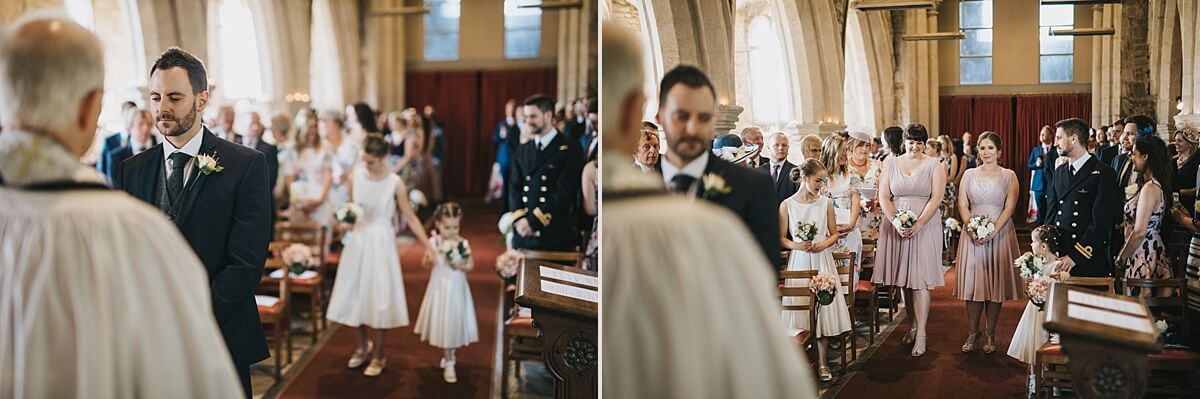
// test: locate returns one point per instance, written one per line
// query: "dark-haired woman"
(1144, 254)
(985, 264)
(910, 257)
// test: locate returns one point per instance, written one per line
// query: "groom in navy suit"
(687, 106)
(1041, 161)
(223, 208)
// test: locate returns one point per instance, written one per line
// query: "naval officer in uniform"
(545, 180)
(1084, 203)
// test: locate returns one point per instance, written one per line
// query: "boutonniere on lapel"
(715, 185)
(208, 164)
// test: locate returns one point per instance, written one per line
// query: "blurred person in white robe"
(667, 331)
(100, 296)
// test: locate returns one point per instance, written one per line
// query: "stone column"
(727, 118)
(1189, 29)
(1135, 59)
(576, 52)
(386, 63)
(1107, 65)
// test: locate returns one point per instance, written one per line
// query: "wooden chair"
(1050, 363)
(865, 292)
(1171, 369)
(795, 286)
(845, 269)
(273, 311)
(521, 342)
(313, 235)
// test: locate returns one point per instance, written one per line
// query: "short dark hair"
(1145, 125)
(894, 136)
(916, 132)
(1119, 122)
(807, 168)
(686, 75)
(1075, 126)
(175, 57)
(542, 102)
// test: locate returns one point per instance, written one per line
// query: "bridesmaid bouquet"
(348, 213)
(456, 252)
(980, 226)
(1030, 266)
(806, 231)
(1039, 290)
(825, 286)
(904, 219)
(298, 258)
(508, 262)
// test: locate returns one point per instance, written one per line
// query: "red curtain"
(1017, 119)
(469, 104)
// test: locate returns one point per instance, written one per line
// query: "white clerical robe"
(689, 308)
(100, 296)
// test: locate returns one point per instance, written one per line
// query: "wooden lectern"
(1106, 337)
(564, 304)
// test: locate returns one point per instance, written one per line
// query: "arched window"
(120, 32)
(770, 103)
(858, 105)
(239, 53)
(441, 30)
(522, 28)
(325, 82)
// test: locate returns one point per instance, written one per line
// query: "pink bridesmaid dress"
(985, 271)
(916, 262)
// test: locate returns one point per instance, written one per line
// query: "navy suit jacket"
(1042, 175)
(113, 159)
(226, 218)
(111, 144)
(784, 186)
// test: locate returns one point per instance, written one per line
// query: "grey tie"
(178, 161)
(775, 172)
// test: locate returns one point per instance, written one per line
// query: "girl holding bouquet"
(807, 225)
(447, 316)
(1030, 335)
(910, 246)
(369, 290)
(985, 255)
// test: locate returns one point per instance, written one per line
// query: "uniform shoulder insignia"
(563, 147)
(1096, 172)
(1086, 251)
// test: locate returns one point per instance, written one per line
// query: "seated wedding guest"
(660, 335)
(114, 141)
(139, 124)
(1144, 255)
(102, 296)
(646, 157)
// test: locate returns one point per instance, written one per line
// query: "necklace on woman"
(858, 165)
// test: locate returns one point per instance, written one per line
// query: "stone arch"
(869, 71)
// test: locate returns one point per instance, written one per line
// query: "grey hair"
(48, 64)
(622, 73)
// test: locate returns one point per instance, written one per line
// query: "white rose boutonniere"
(208, 164)
(715, 185)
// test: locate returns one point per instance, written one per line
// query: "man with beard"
(1084, 203)
(687, 112)
(544, 184)
(216, 193)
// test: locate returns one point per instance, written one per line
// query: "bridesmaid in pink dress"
(912, 258)
(985, 264)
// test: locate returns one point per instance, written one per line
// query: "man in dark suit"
(646, 157)
(1041, 162)
(753, 135)
(115, 141)
(216, 193)
(1122, 164)
(253, 139)
(1105, 150)
(224, 124)
(576, 126)
(140, 139)
(778, 166)
(1084, 204)
(687, 103)
(544, 183)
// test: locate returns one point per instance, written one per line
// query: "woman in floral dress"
(1144, 254)
(864, 172)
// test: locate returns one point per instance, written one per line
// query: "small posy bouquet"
(349, 213)
(1039, 290)
(825, 286)
(508, 262)
(904, 219)
(1030, 266)
(456, 252)
(298, 258)
(950, 229)
(980, 226)
(417, 198)
(806, 231)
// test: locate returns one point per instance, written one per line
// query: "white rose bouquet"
(980, 226)
(298, 258)
(904, 219)
(1030, 266)
(806, 231)
(348, 213)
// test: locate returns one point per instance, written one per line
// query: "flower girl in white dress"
(1030, 335)
(447, 316)
(369, 290)
(808, 205)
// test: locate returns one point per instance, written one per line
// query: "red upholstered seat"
(1182, 356)
(333, 258)
(864, 286)
(520, 322)
(307, 281)
(801, 337)
(1051, 350)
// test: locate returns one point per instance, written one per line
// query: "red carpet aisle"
(944, 371)
(412, 369)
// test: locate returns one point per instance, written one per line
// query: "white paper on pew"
(1103, 302)
(1109, 318)
(569, 277)
(551, 287)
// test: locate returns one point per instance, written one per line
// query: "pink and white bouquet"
(825, 286)
(348, 213)
(508, 262)
(1030, 266)
(1039, 290)
(806, 231)
(904, 219)
(298, 258)
(980, 226)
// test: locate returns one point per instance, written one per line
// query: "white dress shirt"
(1078, 164)
(694, 169)
(545, 139)
(101, 296)
(191, 148)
